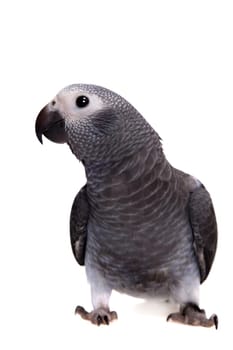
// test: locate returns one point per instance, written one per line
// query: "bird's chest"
(136, 227)
(132, 205)
(140, 258)
(132, 233)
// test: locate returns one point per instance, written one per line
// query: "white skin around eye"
(66, 104)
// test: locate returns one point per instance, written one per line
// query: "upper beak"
(52, 125)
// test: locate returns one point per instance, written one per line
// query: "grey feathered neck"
(111, 134)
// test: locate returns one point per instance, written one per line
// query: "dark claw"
(98, 316)
(215, 319)
(99, 320)
(191, 314)
(114, 315)
(106, 320)
(80, 310)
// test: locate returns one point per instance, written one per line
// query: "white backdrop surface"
(173, 61)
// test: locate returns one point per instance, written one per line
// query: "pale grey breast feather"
(141, 226)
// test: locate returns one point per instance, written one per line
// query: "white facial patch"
(65, 103)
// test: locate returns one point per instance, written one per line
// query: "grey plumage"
(78, 225)
(204, 228)
(140, 226)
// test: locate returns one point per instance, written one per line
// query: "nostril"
(53, 103)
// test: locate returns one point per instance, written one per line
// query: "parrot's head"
(95, 122)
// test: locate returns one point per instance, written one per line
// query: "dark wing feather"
(204, 227)
(78, 225)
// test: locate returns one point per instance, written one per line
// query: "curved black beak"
(52, 125)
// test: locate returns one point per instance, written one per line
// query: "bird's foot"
(98, 316)
(191, 314)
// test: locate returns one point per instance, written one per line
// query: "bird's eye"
(82, 101)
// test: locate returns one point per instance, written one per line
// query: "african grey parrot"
(139, 225)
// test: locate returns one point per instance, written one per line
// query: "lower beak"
(52, 125)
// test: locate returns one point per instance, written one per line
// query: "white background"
(173, 61)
